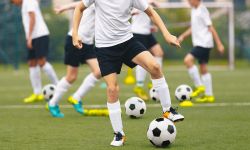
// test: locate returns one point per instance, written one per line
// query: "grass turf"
(204, 127)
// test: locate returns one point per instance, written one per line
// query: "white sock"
(141, 74)
(115, 116)
(159, 60)
(35, 78)
(195, 76)
(61, 88)
(160, 85)
(50, 72)
(207, 81)
(88, 83)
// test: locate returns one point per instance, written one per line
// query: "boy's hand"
(77, 42)
(221, 48)
(29, 43)
(172, 40)
(180, 39)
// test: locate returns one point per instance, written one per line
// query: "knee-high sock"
(141, 74)
(159, 60)
(88, 83)
(115, 116)
(61, 88)
(50, 72)
(207, 81)
(35, 78)
(195, 76)
(160, 85)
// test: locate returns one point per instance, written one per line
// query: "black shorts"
(201, 53)
(147, 40)
(111, 58)
(74, 57)
(40, 48)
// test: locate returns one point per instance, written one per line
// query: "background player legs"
(206, 78)
(48, 69)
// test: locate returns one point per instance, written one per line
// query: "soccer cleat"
(173, 115)
(119, 139)
(33, 98)
(139, 91)
(76, 104)
(205, 99)
(55, 111)
(198, 91)
(186, 103)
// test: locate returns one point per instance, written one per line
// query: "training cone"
(130, 79)
(96, 112)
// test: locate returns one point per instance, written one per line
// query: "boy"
(115, 45)
(73, 58)
(142, 29)
(202, 32)
(37, 41)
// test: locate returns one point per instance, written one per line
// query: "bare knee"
(32, 63)
(188, 62)
(97, 73)
(155, 70)
(41, 62)
(113, 90)
(71, 78)
(157, 51)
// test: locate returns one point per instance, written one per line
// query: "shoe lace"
(118, 136)
(174, 110)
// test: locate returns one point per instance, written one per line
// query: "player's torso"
(141, 23)
(40, 28)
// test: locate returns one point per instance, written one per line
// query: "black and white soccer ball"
(161, 132)
(135, 107)
(48, 91)
(183, 92)
(154, 95)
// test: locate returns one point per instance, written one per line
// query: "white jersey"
(200, 21)
(87, 26)
(141, 23)
(40, 27)
(112, 25)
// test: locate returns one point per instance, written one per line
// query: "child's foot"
(140, 92)
(55, 111)
(186, 103)
(198, 91)
(119, 139)
(173, 115)
(205, 99)
(76, 104)
(33, 98)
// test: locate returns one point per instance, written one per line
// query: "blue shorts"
(111, 58)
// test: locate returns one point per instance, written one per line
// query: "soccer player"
(73, 58)
(203, 33)
(116, 45)
(142, 29)
(37, 41)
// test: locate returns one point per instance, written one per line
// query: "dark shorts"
(147, 40)
(201, 53)
(111, 58)
(74, 57)
(40, 48)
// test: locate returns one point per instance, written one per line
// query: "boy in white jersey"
(115, 45)
(142, 29)
(203, 33)
(73, 58)
(37, 37)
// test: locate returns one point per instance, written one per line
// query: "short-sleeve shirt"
(40, 27)
(200, 22)
(141, 23)
(87, 26)
(112, 25)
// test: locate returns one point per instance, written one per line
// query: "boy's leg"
(141, 74)
(147, 61)
(194, 74)
(114, 108)
(61, 88)
(48, 69)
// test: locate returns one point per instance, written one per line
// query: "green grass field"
(224, 125)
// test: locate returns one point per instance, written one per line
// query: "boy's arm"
(32, 22)
(76, 21)
(63, 8)
(156, 19)
(185, 34)
(217, 40)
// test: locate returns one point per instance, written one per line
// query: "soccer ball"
(154, 95)
(135, 107)
(183, 92)
(48, 91)
(161, 132)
